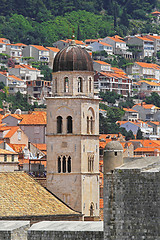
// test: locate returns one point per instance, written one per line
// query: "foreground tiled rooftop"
(18, 200)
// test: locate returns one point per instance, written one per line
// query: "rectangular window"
(12, 158)
(19, 136)
(5, 158)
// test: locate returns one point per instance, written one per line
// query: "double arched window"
(91, 163)
(60, 124)
(64, 164)
(90, 121)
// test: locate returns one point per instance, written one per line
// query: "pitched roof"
(17, 147)
(3, 151)
(147, 143)
(153, 36)
(150, 83)
(148, 65)
(129, 110)
(26, 66)
(156, 12)
(22, 196)
(155, 123)
(11, 132)
(116, 39)
(17, 116)
(35, 118)
(41, 48)
(147, 149)
(105, 44)
(102, 63)
(16, 78)
(118, 70)
(40, 146)
(144, 38)
(145, 105)
(54, 49)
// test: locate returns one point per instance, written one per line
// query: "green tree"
(139, 134)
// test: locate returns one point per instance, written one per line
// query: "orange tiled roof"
(3, 151)
(11, 132)
(147, 149)
(148, 65)
(26, 66)
(105, 44)
(155, 37)
(145, 105)
(150, 83)
(54, 49)
(41, 48)
(156, 12)
(16, 78)
(17, 147)
(118, 70)
(35, 118)
(101, 203)
(102, 63)
(147, 142)
(156, 123)
(40, 146)
(116, 39)
(22, 196)
(145, 39)
(129, 110)
(17, 116)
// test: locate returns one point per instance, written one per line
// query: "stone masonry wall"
(131, 205)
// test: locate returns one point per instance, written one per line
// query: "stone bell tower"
(73, 132)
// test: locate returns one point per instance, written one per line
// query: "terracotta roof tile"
(129, 110)
(148, 65)
(144, 38)
(36, 118)
(18, 200)
(11, 132)
(17, 116)
(102, 63)
(41, 48)
(40, 146)
(17, 147)
(116, 39)
(3, 151)
(53, 49)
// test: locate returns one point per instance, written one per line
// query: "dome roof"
(73, 58)
(113, 146)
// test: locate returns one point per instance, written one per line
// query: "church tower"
(73, 132)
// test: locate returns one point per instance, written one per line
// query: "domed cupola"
(73, 58)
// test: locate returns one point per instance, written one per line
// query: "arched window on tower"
(66, 85)
(91, 125)
(87, 124)
(69, 124)
(90, 85)
(55, 85)
(91, 209)
(69, 164)
(59, 164)
(64, 164)
(80, 84)
(59, 124)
